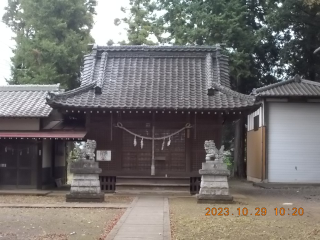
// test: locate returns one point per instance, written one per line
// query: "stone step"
(154, 193)
(153, 184)
(153, 180)
(152, 187)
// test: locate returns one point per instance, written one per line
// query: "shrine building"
(150, 110)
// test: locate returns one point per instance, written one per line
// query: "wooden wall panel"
(100, 129)
(205, 127)
(128, 159)
(256, 154)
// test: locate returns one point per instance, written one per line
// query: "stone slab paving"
(26, 192)
(146, 218)
(65, 205)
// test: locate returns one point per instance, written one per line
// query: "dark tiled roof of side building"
(295, 86)
(154, 77)
(25, 100)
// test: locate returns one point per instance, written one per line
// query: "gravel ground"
(189, 220)
(56, 199)
(57, 224)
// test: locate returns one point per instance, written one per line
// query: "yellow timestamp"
(257, 211)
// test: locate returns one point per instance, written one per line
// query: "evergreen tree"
(239, 24)
(51, 39)
(312, 2)
(141, 22)
(297, 28)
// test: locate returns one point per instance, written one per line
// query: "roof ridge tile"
(209, 71)
(102, 70)
(199, 48)
(311, 82)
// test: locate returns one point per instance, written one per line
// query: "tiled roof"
(25, 100)
(154, 77)
(292, 87)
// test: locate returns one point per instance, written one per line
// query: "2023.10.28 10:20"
(257, 211)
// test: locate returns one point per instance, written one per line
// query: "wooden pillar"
(239, 146)
(188, 146)
(118, 142)
(53, 158)
(39, 164)
(153, 160)
(88, 121)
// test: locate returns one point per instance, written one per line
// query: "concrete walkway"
(146, 218)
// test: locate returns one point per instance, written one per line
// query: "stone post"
(214, 177)
(85, 186)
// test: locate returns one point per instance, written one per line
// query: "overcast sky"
(104, 29)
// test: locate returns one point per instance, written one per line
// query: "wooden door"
(27, 165)
(170, 159)
(8, 165)
(137, 159)
(18, 165)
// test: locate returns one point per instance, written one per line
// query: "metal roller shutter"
(294, 142)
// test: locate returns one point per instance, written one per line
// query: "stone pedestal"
(85, 186)
(214, 186)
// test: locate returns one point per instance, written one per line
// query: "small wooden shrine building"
(33, 138)
(150, 108)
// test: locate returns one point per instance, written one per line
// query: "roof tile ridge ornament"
(103, 66)
(297, 78)
(268, 87)
(233, 93)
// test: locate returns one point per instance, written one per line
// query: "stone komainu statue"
(88, 152)
(90, 149)
(213, 153)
